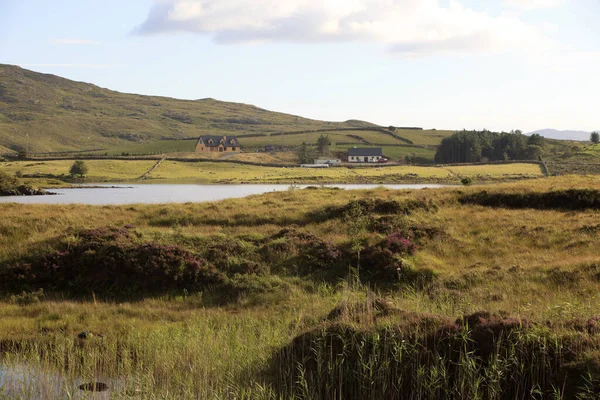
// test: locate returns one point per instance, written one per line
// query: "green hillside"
(43, 112)
(47, 113)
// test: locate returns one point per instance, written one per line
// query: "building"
(365, 155)
(220, 144)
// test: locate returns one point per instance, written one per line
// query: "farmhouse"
(365, 155)
(220, 144)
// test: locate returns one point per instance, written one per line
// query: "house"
(220, 144)
(365, 155)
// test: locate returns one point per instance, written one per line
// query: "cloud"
(410, 27)
(74, 41)
(91, 66)
(533, 4)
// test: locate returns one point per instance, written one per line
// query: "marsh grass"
(535, 272)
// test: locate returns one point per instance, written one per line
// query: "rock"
(93, 387)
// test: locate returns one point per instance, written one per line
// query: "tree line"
(480, 146)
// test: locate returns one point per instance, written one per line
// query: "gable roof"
(216, 140)
(366, 152)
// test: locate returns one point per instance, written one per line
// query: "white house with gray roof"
(365, 155)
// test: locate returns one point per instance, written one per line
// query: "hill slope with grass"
(46, 113)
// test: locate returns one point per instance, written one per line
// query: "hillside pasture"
(426, 137)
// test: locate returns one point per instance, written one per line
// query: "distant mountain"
(42, 112)
(563, 135)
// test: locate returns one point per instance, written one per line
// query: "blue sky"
(453, 64)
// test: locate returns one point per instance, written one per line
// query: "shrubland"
(466, 292)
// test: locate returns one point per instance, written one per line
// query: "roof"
(366, 152)
(217, 139)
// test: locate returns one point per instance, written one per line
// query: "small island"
(12, 186)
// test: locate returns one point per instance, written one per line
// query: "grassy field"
(212, 172)
(282, 334)
(396, 152)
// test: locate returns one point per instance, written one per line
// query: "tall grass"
(323, 335)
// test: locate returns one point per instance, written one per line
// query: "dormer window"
(231, 141)
(210, 141)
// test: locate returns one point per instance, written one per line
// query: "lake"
(171, 193)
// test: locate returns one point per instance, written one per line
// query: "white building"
(365, 155)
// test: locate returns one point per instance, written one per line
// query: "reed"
(294, 318)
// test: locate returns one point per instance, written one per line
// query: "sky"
(445, 64)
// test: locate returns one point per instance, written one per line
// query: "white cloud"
(74, 41)
(410, 27)
(533, 4)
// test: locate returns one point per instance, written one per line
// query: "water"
(169, 193)
(22, 380)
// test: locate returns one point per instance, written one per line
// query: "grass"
(45, 113)
(100, 170)
(210, 172)
(430, 137)
(396, 152)
(528, 264)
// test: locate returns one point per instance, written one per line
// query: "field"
(223, 172)
(425, 137)
(392, 147)
(510, 292)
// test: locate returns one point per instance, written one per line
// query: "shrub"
(373, 207)
(398, 244)
(571, 199)
(466, 181)
(300, 252)
(384, 261)
(108, 262)
(26, 298)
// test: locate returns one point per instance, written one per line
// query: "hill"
(41, 112)
(563, 135)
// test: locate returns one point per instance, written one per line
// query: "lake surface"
(170, 193)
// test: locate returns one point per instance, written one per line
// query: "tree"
(323, 144)
(79, 168)
(595, 137)
(536, 139)
(303, 154)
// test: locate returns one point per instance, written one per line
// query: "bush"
(300, 252)
(373, 207)
(466, 181)
(26, 298)
(571, 199)
(384, 261)
(109, 262)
